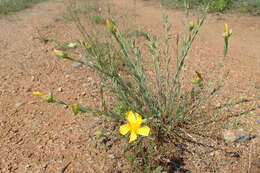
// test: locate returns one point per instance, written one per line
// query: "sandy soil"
(40, 137)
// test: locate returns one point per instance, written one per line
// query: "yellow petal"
(226, 28)
(124, 129)
(138, 118)
(37, 93)
(133, 137)
(230, 32)
(133, 118)
(144, 131)
(130, 116)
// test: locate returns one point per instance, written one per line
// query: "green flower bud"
(60, 54)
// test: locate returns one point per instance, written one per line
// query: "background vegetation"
(251, 6)
(9, 6)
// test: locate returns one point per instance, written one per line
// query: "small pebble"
(25, 165)
(28, 89)
(89, 79)
(17, 105)
(35, 123)
(83, 93)
(33, 78)
(32, 102)
(237, 135)
(60, 89)
(111, 156)
(255, 85)
(76, 64)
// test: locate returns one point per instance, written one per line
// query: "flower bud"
(37, 93)
(198, 79)
(227, 31)
(45, 97)
(60, 54)
(48, 98)
(191, 25)
(72, 45)
(75, 108)
(99, 133)
(99, 10)
(111, 26)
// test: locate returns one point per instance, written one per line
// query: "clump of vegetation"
(214, 5)
(252, 6)
(9, 6)
(155, 114)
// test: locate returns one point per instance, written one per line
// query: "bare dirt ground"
(41, 137)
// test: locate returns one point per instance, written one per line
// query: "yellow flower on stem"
(45, 97)
(133, 125)
(227, 31)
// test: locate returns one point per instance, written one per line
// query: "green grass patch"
(248, 6)
(214, 5)
(251, 6)
(9, 6)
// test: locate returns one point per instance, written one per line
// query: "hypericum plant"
(166, 108)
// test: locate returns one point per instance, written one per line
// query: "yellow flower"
(227, 31)
(60, 54)
(133, 125)
(45, 97)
